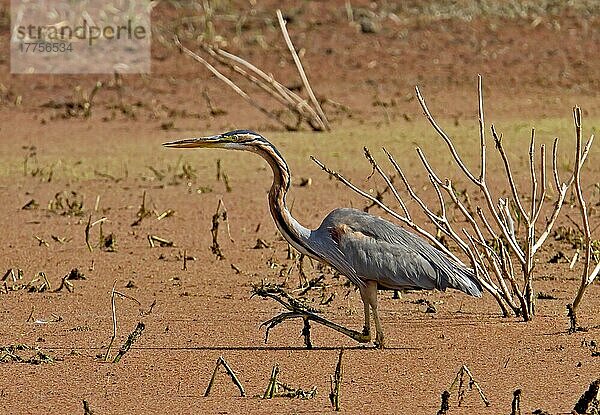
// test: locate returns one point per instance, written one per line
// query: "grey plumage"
(373, 248)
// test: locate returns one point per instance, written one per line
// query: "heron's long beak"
(195, 142)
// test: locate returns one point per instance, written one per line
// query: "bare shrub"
(503, 234)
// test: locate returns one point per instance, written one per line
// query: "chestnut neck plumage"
(296, 234)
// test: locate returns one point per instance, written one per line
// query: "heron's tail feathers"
(465, 281)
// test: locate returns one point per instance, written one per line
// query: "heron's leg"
(367, 327)
(379, 337)
(369, 293)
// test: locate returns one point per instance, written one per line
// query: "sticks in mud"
(459, 380)
(133, 336)
(516, 403)
(272, 386)
(298, 310)
(336, 383)
(445, 404)
(275, 388)
(220, 214)
(88, 227)
(221, 362)
(588, 274)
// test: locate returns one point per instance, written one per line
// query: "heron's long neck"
(296, 234)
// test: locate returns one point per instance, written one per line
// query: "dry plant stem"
(221, 362)
(516, 403)
(586, 277)
(214, 231)
(133, 337)
(298, 310)
(227, 81)
(87, 233)
(86, 408)
(278, 91)
(298, 63)
(272, 386)
(113, 295)
(114, 320)
(445, 403)
(336, 383)
(464, 370)
(523, 251)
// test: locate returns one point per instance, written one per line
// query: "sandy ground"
(534, 71)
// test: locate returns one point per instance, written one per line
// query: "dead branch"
(132, 338)
(113, 295)
(516, 403)
(336, 383)
(587, 276)
(444, 404)
(228, 82)
(298, 63)
(297, 309)
(459, 380)
(221, 362)
(272, 386)
(220, 214)
(589, 402)
(297, 105)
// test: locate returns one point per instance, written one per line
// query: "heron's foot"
(379, 344)
(365, 336)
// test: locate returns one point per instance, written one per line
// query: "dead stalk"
(221, 362)
(220, 214)
(459, 380)
(297, 105)
(272, 386)
(133, 337)
(336, 383)
(516, 403)
(298, 63)
(113, 295)
(587, 276)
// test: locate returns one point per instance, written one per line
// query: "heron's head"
(235, 140)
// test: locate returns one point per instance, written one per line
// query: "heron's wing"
(382, 251)
(328, 251)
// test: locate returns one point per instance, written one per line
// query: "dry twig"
(459, 380)
(587, 276)
(221, 362)
(336, 383)
(297, 105)
(113, 295)
(297, 309)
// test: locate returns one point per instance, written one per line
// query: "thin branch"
(508, 171)
(562, 194)
(298, 63)
(447, 139)
(543, 181)
(387, 181)
(533, 176)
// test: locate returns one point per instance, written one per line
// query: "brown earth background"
(537, 59)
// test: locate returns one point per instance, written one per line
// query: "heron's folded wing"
(392, 265)
(329, 252)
